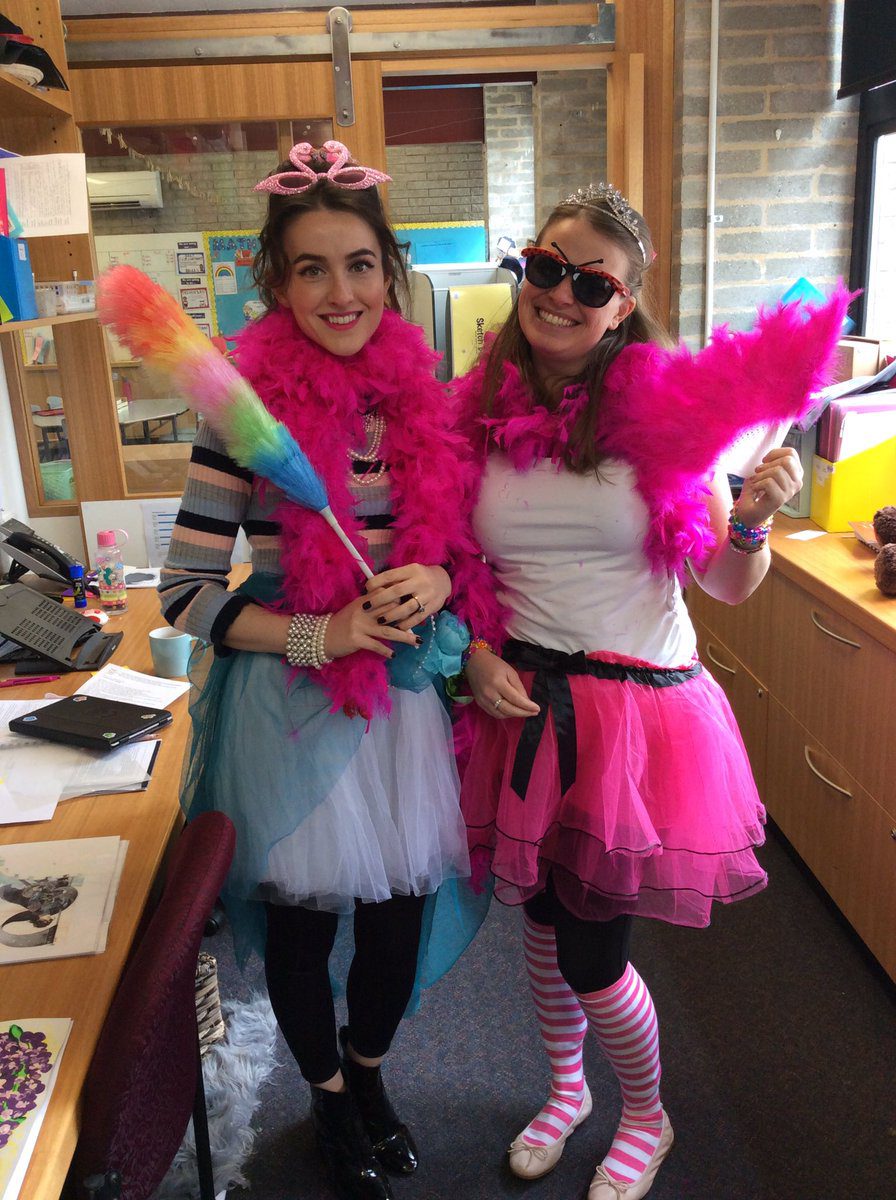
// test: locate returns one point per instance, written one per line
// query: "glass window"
(880, 319)
(178, 203)
(873, 268)
(45, 403)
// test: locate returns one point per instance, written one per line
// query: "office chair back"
(145, 1076)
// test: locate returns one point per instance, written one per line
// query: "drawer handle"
(824, 779)
(715, 662)
(830, 632)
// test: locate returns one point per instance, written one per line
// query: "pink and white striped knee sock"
(563, 1027)
(624, 1019)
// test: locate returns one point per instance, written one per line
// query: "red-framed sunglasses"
(593, 288)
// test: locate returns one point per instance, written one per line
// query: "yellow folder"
(854, 488)
(474, 311)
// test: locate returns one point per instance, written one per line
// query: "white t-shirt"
(567, 550)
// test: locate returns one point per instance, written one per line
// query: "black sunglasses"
(594, 289)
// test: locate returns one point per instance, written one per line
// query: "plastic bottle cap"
(105, 537)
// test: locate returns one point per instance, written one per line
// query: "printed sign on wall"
(176, 261)
(234, 295)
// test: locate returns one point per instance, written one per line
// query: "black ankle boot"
(392, 1143)
(345, 1147)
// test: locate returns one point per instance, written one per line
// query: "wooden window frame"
(640, 127)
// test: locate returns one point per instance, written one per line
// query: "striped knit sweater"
(220, 498)
(320, 398)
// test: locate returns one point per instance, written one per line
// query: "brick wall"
(510, 162)
(226, 178)
(444, 182)
(432, 183)
(570, 135)
(785, 160)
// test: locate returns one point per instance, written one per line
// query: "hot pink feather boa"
(321, 399)
(669, 414)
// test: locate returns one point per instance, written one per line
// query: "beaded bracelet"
(747, 539)
(306, 639)
(475, 644)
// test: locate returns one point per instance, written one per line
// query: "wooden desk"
(82, 988)
(142, 412)
(809, 665)
(50, 421)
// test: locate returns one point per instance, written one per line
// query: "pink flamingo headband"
(341, 172)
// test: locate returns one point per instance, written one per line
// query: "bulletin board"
(176, 261)
(230, 254)
(444, 242)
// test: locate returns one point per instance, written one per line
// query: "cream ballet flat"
(531, 1162)
(603, 1187)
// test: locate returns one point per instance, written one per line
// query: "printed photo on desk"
(30, 1051)
(56, 898)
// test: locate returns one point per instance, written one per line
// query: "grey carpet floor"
(778, 1042)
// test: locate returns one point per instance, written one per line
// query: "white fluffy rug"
(234, 1071)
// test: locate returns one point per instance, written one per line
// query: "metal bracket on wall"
(339, 26)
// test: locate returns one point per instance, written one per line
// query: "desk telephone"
(30, 552)
(38, 632)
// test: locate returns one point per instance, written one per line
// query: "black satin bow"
(552, 693)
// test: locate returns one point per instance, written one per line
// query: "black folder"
(92, 722)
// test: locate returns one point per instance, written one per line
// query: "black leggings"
(591, 955)
(380, 979)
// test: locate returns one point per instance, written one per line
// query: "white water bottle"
(110, 570)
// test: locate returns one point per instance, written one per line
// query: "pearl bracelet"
(306, 640)
(747, 539)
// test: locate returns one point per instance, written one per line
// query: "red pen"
(23, 679)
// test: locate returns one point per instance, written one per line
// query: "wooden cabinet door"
(746, 695)
(746, 629)
(845, 838)
(839, 683)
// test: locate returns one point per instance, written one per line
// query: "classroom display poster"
(234, 296)
(443, 242)
(30, 1052)
(176, 261)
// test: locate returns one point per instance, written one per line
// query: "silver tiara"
(611, 201)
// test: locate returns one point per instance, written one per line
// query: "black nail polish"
(367, 605)
(381, 620)
(419, 641)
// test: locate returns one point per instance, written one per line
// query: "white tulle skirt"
(391, 823)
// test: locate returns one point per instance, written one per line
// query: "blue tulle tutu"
(325, 807)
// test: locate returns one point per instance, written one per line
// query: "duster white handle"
(328, 516)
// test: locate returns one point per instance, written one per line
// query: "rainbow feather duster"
(155, 328)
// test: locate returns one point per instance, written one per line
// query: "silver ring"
(420, 607)
(497, 704)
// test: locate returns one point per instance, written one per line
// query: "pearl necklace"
(374, 428)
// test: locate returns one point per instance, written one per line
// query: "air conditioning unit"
(125, 189)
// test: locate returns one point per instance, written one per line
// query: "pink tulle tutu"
(661, 819)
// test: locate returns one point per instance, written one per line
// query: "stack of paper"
(861, 385)
(56, 898)
(30, 1051)
(120, 683)
(36, 775)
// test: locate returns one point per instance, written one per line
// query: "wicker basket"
(208, 1002)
